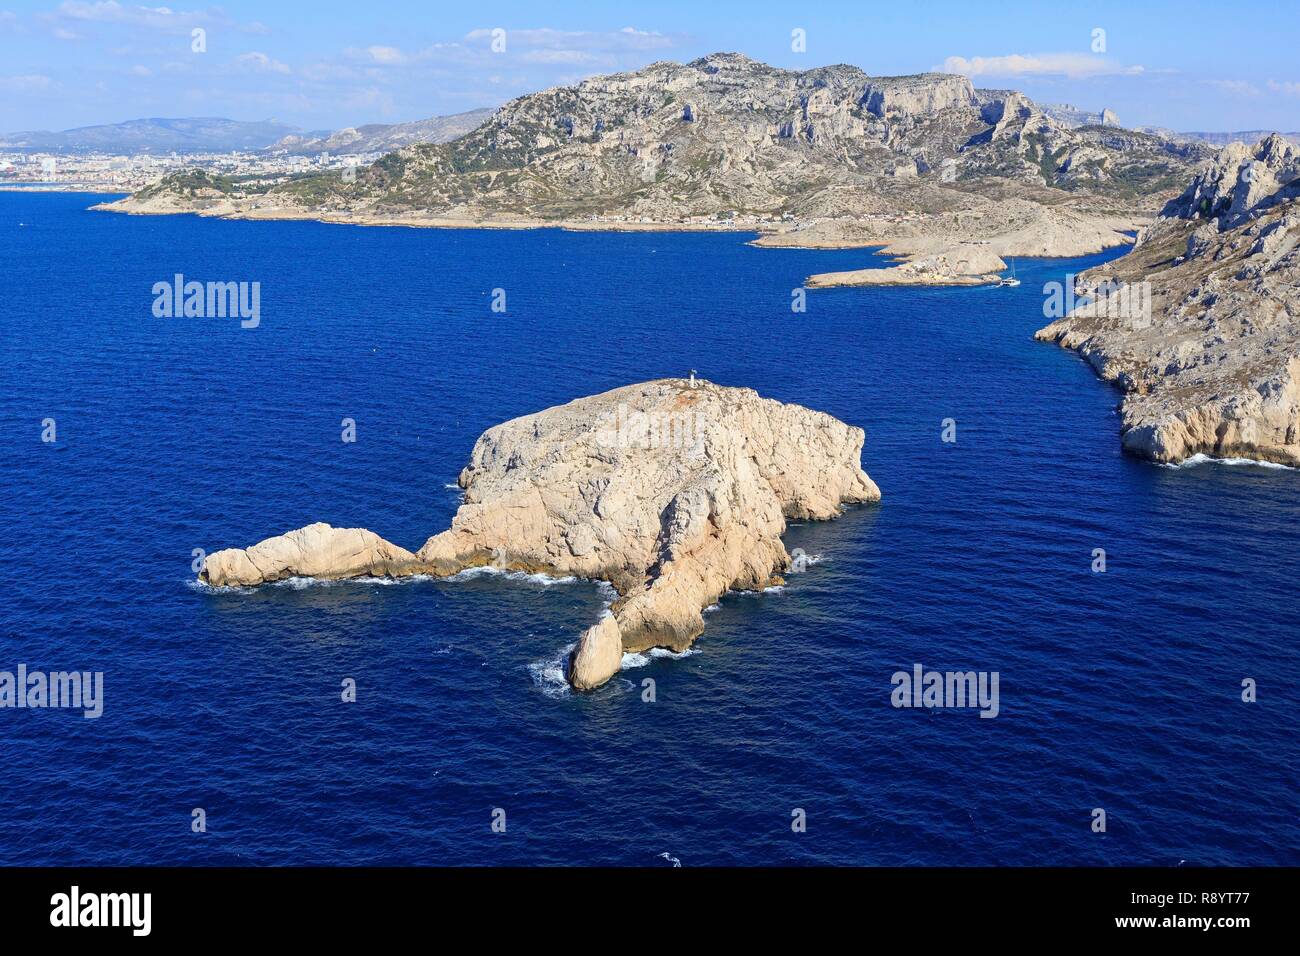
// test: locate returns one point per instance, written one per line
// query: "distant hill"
(1248, 137)
(726, 133)
(725, 138)
(383, 138)
(1069, 115)
(209, 134)
(206, 134)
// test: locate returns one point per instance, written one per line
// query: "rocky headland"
(965, 264)
(673, 492)
(1199, 324)
(926, 165)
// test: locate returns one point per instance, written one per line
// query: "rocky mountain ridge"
(1200, 324)
(725, 139)
(382, 137)
(205, 134)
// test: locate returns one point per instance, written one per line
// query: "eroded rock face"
(673, 493)
(1242, 181)
(316, 551)
(1213, 366)
(598, 655)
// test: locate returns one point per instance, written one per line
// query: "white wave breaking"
(203, 587)
(1201, 458)
(522, 577)
(799, 566)
(548, 675)
(774, 589)
(642, 658)
(303, 583)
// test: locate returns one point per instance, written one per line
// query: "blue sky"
(328, 64)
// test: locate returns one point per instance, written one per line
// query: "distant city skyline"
(332, 64)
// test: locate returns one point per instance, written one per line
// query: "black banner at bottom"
(338, 905)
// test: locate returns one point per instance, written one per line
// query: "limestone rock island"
(672, 491)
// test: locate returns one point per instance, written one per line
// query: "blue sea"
(1119, 691)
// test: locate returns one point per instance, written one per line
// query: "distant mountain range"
(216, 135)
(1069, 115)
(207, 134)
(210, 134)
(1248, 137)
(384, 138)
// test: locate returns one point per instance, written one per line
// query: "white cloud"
(28, 83)
(1235, 87)
(370, 100)
(382, 55)
(589, 41)
(565, 57)
(260, 63)
(1075, 66)
(1288, 88)
(163, 19)
(543, 47)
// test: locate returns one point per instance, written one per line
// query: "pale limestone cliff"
(966, 247)
(1200, 323)
(965, 264)
(672, 492)
(316, 551)
(598, 655)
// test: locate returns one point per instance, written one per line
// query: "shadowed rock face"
(1214, 366)
(674, 494)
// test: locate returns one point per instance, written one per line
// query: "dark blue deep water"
(1119, 690)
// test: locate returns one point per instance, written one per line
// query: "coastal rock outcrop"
(316, 551)
(961, 247)
(965, 264)
(1200, 323)
(674, 491)
(598, 655)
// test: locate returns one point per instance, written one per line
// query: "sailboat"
(1011, 280)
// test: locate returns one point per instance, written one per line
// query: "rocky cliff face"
(316, 551)
(726, 134)
(674, 494)
(1213, 365)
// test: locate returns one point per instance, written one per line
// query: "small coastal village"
(107, 172)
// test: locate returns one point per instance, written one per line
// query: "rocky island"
(1199, 324)
(674, 491)
(953, 177)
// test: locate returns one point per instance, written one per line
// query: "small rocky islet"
(674, 491)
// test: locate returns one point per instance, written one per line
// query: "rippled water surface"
(1118, 690)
